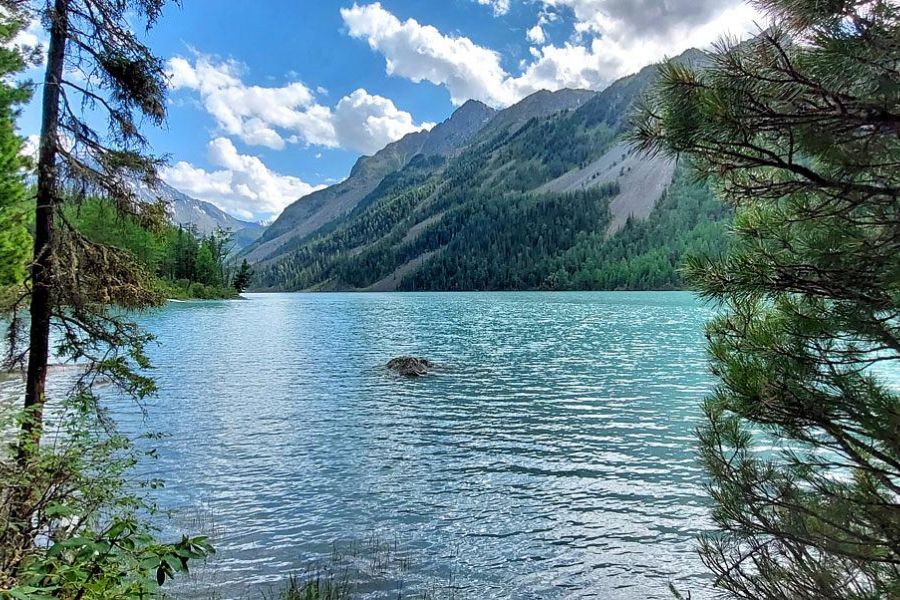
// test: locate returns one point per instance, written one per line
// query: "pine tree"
(800, 130)
(95, 64)
(71, 526)
(243, 277)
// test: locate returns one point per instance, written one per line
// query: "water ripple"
(551, 457)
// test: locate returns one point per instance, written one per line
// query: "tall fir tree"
(800, 130)
(243, 277)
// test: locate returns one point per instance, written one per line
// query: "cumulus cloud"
(32, 42)
(367, 123)
(275, 116)
(242, 185)
(639, 32)
(247, 111)
(500, 7)
(422, 53)
(569, 66)
(32, 36)
(612, 38)
(536, 34)
(30, 146)
(642, 17)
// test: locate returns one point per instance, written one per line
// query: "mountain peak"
(472, 105)
(693, 57)
(454, 133)
(541, 103)
(457, 136)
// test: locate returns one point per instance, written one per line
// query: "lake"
(552, 455)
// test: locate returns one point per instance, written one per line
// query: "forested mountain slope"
(543, 195)
(317, 210)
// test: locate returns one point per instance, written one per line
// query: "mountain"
(319, 209)
(542, 195)
(537, 105)
(454, 133)
(204, 216)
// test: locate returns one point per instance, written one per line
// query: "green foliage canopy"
(15, 241)
(800, 130)
(185, 264)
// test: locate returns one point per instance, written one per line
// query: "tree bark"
(42, 265)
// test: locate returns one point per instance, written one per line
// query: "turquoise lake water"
(552, 456)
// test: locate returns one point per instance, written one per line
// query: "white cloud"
(422, 53)
(243, 185)
(613, 38)
(642, 18)
(31, 36)
(568, 66)
(500, 7)
(31, 41)
(536, 35)
(367, 123)
(30, 145)
(275, 116)
(639, 32)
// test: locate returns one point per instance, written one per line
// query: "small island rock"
(410, 366)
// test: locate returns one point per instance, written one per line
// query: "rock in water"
(409, 366)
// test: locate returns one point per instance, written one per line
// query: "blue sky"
(272, 99)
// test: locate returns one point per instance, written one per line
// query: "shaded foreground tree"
(94, 64)
(800, 130)
(70, 524)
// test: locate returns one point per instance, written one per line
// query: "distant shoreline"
(327, 292)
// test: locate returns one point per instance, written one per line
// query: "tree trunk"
(42, 266)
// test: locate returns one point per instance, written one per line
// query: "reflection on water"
(553, 457)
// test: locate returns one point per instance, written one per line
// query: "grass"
(373, 564)
(355, 569)
(317, 586)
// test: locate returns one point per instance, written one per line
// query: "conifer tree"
(96, 65)
(14, 237)
(71, 526)
(243, 277)
(799, 129)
